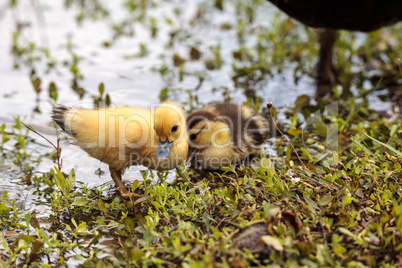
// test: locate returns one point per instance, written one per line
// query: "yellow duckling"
(126, 136)
(224, 133)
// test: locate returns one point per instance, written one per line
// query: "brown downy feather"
(225, 133)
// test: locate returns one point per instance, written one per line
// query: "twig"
(269, 106)
(59, 160)
(316, 181)
(34, 131)
(57, 148)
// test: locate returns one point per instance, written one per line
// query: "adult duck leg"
(326, 72)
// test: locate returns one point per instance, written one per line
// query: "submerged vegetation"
(341, 207)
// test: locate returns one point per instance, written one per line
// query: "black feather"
(59, 115)
(198, 116)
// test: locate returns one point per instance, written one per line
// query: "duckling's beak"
(190, 155)
(163, 149)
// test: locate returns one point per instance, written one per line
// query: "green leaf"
(361, 146)
(4, 135)
(311, 204)
(107, 100)
(268, 165)
(101, 220)
(74, 222)
(80, 202)
(311, 167)
(325, 200)
(347, 199)
(27, 238)
(68, 227)
(144, 174)
(59, 180)
(227, 169)
(272, 241)
(324, 255)
(28, 218)
(136, 254)
(135, 185)
(102, 206)
(65, 185)
(301, 102)
(307, 153)
(121, 232)
(385, 145)
(71, 180)
(80, 257)
(394, 129)
(130, 226)
(163, 95)
(101, 89)
(338, 249)
(347, 232)
(387, 195)
(3, 242)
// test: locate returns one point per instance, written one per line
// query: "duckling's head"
(205, 129)
(170, 126)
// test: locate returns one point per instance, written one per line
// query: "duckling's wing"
(104, 127)
(258, 130)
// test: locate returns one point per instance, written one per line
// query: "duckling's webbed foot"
(129, 195)
(116, 176)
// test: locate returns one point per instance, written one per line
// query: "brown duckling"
(125, 136)
(222, 134)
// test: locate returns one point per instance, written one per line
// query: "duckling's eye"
(174, 128)
(193, 136)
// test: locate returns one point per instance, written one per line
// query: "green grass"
(343, 209)
(338, 213)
